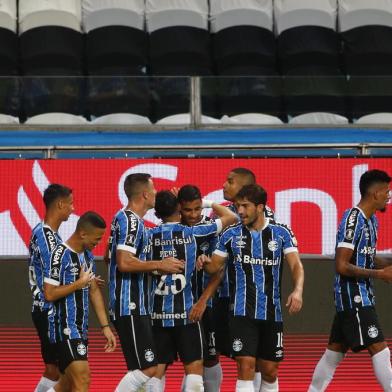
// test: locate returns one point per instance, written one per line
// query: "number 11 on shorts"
(280, 339)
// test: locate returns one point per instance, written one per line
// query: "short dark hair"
(90, 219)
(247, 174)
(254, 193)
(372, 177)
(166, 204)
(189, 193)
(54, 192)
(133, 182)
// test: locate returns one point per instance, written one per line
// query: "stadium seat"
(366, 30)
(311, 89)
(10, 92)
(306, 33)
(252, 119)
(250, 94)
(243, 34)
(118, 94)
(369, 94)
(50, 35)
(185, 118)
(8, 38)
(376, 118)
(53, 94)
(56, 119)
(318, 119)
(6, 119)
(115, 36)
(179, 37)
(121, 119)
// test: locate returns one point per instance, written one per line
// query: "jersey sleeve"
(290, 244)
(221, 246)
(349, 229)
(58, 262)
(207, 229)
(130, 233)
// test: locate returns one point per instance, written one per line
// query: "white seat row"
(58, 119)
(85, 15)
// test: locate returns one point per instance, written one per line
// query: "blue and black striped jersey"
(224, 291)
(205, 246)
(70, 317)
(358, 233)
(173, 295)
(43, 241)
(128, 292)
(255, 263)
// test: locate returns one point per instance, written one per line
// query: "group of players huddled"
(196, 286)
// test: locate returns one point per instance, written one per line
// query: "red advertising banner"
(310, 195)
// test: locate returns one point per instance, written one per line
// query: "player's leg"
(244, 344)
(78, 372)
(191, 349)
(270, 353)
(137, 343)
(48, 352)
(212, 368)
(154, 384)
(333, 355)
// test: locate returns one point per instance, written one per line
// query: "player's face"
(91, 238)
(382, 195)
(150, 194)
(66, 206)
(232, 186)
(191, 212)
(248, 212)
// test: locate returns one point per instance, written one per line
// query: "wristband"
(207, 203)
(104, 326)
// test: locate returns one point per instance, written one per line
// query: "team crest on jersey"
(272, 246)
(67, 331)
(81, 349)
(132, 306)
(372, 332)
(204, 247)
(349, 234)
(357, 299)
(149, 355)
(237, 345)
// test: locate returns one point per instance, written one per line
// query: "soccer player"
(257, 248)
(128, 282)
(191, 204)
(70, 284)
(356, 324)
(58, 202)
(173, 295)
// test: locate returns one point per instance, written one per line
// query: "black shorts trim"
(48, 350)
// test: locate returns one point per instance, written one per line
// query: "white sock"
(382, 369)
(132, 381)
(269, 387)
(213, 378)
(257, 381)
(163, 382)
(325, 370)
(44, 384)
(153, 385)
(194, 383)
(244, 386)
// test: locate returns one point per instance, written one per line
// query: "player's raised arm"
(226, 216)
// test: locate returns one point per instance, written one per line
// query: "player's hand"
(386, 274)
(171, 265)
(294, 302)
(85, 276)
(175, 191)
(197, 311)
(111, 343)
(201, 260)
(99, 281)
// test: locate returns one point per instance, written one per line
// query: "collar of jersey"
(133, 212)
(362, 213)
(267, 221)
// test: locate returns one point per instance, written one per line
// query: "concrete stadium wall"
(315, 317)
